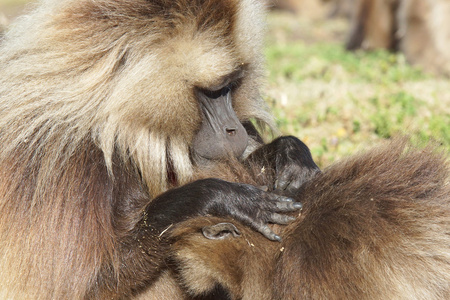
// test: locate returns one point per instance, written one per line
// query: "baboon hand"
(246, 203)
(291, 177)
(253, 206)
(293, 164)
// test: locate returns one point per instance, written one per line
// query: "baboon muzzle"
(221, 133)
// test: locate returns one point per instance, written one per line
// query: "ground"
(340, 102)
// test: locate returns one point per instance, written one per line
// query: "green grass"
(297, 61)
(10, 8)
(340, 102)
(12, 3)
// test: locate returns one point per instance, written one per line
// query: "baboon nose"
(231, 131)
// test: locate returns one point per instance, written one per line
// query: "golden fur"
(93, 92)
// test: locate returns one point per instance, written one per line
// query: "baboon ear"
(220, 231)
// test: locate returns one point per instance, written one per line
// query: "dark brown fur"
(375, 226)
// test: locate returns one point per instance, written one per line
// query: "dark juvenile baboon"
(375, 226)
(106, 104)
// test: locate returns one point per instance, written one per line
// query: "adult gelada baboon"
(287, 5)
(340, 8)
(418, 28)
(375, 226)
(424, 33)
(373, 25)
(104, 105)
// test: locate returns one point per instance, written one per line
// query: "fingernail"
(277, 238)
(298, 205)
(287, 199)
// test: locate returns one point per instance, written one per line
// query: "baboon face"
(179, 70)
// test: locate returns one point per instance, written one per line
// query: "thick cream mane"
(65, 81)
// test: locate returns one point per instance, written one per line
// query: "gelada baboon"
(375, 226)
(417, 28)
(299, 7)
(3, 23)
(424, 33)
(106, 104)
(287, 5)
(340, 8)
(373, 25)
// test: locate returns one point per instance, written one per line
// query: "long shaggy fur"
(375, 226)
(92, 91)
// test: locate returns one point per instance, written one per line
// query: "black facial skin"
(221, 132)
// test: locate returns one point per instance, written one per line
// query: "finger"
(280, 198)
(281, 184)
(284, 206)
(268, 233)
(280, 219)
(284, 180)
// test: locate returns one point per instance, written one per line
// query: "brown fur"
(424, 31)
(311, 8)
(97, 113)
(341, 8)
(417, 28)
(373, 25)
(293, 6)
(3, 23)
(375, 226)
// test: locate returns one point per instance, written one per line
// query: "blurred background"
(345, 74)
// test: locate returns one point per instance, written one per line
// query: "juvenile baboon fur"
(419, 29)
(374, 226)
(98, 113)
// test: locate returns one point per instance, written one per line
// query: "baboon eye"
(218, 93)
